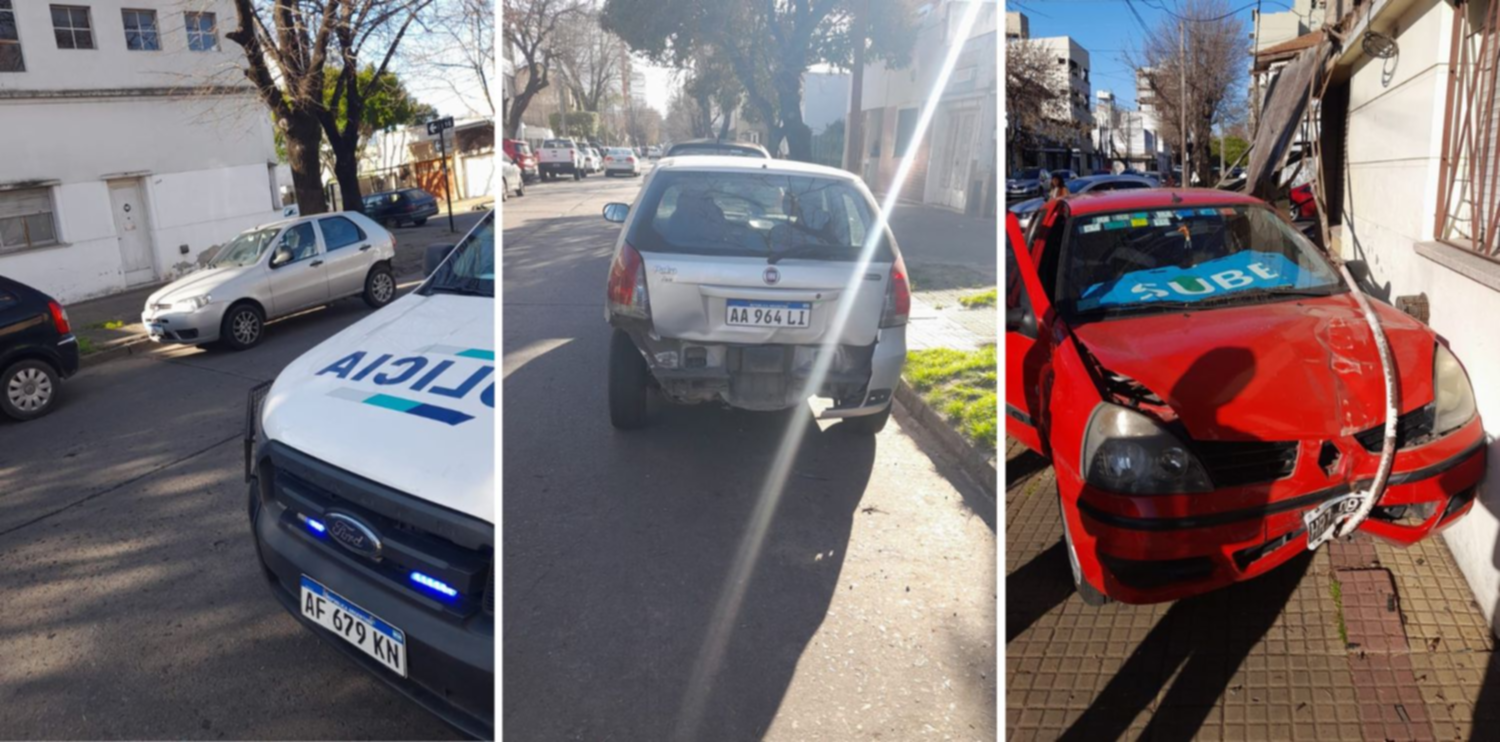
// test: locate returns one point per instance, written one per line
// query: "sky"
(1109, 32)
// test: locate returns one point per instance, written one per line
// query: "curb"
(128, 347)
(972, 460)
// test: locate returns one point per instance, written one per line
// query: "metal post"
(1182, 101)
(447, 184)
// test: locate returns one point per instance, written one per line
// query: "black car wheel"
(28, 389)
(244, 326)
(380, 286)
(577, 174)
(419, 222)
(629, 383)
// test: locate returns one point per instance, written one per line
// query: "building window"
(141, 34)
(71, 25)
(202, 31)
(26, 219)
(10, 40)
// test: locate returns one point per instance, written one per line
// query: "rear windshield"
(558, 144)
(713, 149)
(755, 215)
(1161, 259)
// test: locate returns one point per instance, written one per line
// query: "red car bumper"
(1161, 548)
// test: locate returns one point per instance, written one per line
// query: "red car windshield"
(1162, 259)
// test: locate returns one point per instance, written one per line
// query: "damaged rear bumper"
(1161, 548)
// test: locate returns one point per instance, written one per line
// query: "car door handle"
(315, 263)
(363, 248)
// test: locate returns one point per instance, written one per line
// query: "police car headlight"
(1453, 395)
(191, 305)
(1127, 452)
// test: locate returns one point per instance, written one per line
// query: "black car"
(716, 147)
(409, 205)
(37, 350)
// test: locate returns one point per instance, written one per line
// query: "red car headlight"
(1127, 452)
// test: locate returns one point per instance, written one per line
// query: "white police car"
(371, 470)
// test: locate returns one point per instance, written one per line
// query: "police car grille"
(1236, 463)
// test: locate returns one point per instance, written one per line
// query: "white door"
(479, 176)
(133, 230)
(962, 127)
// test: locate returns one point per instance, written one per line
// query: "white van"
(371, 471)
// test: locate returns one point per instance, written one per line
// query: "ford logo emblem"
(772, 276)
(353, 535)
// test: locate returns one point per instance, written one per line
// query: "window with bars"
(141, 32)
(72, 27)
(26, 219)
(202, 32)
(1468, 213)
(10, 40)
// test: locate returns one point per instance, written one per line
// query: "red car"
(1201, 380)
(524, 158)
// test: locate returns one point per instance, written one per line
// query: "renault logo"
(772, 276)
(355, 536)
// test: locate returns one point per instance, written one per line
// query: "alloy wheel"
(384, 288)
(246, 327)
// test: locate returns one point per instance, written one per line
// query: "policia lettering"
(402, 371)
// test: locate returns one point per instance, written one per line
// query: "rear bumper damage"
(860, 379)
(1160, 548)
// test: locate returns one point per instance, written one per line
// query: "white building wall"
(77, 119)
(1395, 142)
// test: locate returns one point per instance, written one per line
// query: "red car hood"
(1281, 371)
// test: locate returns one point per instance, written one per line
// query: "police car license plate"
(768, 313)
(326, 608)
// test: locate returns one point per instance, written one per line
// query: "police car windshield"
(245, 249)
(470, 269)
(1174, 258)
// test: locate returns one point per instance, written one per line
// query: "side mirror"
(1020, 319)
(616, 212)
(281, 257)
(435, 256)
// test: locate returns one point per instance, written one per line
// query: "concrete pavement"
(133, 607)
(869, 611)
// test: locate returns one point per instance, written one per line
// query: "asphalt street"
(870, 609)
(132, 604)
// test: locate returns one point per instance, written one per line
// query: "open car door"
(1027, 350)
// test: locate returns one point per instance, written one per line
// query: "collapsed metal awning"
(1287, 99)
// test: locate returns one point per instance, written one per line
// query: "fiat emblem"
(772, 276)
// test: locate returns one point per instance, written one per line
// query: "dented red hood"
(1280, 371)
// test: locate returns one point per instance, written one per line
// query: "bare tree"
(1197, 73)
(1035, 109)
(591, 60)
(530, 28)
(457, 42)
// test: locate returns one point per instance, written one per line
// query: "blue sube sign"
(1249, 269)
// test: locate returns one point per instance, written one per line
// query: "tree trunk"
(346, 171)
(798, 135)
(303, 135)
(854, 122)
(518, 106)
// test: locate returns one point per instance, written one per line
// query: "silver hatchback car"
(272, 271)
(757, 284)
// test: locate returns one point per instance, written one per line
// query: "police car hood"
(404, 397)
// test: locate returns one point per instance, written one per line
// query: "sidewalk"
(1357, 641)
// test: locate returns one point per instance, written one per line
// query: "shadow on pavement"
(616, 556)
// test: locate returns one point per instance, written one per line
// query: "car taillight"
(59, 318)
(630, 159)
(572, 152)
(897, 296)
(627, 285)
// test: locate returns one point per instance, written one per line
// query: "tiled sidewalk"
(1263, 660)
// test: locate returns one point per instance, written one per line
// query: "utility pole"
(854, 121)
(1182, 100)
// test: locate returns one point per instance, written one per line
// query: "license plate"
(1323, 521)
(156, 331)
(355, 625)
(768, 313)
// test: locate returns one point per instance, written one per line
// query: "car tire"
(577, 174)
(521, 188)
(28, 389)
(629, 383)
(867, 424)
(420, 222)
(380, 286)
(244, 326)
(1089, 593)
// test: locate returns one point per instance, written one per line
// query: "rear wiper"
(798, 249)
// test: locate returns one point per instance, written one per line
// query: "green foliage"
(387, 102)
(982, 299)
(961, 385)
(581, 124)
(1234, 147)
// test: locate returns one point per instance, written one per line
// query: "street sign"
(438, 126)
